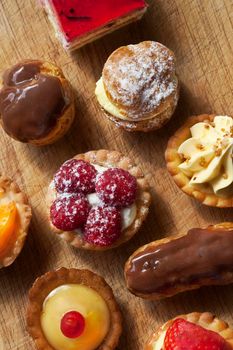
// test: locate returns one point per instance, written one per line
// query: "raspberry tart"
(15, 216)
(199, 158)
(194, 331)
(139, 87)
(77, 302)
(77, 23)
(98, 200)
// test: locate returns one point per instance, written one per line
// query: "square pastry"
(78, 22)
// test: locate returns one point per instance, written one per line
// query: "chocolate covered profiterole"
(36, 102)
(166, 267)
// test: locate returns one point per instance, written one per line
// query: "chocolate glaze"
(30, 102)
(202, 253)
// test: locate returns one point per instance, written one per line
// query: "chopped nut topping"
(203, 162)
(218, 152)
(207, 126)
(200, 146)
(223, 129)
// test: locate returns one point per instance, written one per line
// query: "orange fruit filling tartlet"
(73, 309)
(15, 215)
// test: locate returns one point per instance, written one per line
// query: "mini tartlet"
(139, 88)
(199, 330)
(98, 200)
(36, 102)
(66, 308)
(15, 216)
(199, 158)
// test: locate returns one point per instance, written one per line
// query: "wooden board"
(200, 32)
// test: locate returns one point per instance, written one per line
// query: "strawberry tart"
(98, 200)
(195, 331)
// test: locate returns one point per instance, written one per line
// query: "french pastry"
(98, 200)
(15, 216)
(139, 88)
(194, 331)
(200, 257)
(199, 158)
(71, 309)
(77, 23)
(36, 102)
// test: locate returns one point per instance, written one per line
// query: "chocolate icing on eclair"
(31, 102)
(202, 253)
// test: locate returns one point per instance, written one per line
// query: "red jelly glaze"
(78, 17)
(72, 324)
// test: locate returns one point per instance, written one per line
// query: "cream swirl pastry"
(139, 87)
(208, 155)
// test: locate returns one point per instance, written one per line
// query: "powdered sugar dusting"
(140, 78)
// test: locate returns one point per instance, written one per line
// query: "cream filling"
(109, 106)
(80, 298)
(158, 345)
(208, 155)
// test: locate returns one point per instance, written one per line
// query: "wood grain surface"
(201, 34)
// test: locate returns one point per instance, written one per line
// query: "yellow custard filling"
(82, 299)
(208, 155)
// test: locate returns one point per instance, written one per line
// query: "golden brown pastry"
(36, 102)
(98, 200)
(73, 309)
(194, 331)
(15, 216)
(183, 262)
(139, 87)
(199, 158)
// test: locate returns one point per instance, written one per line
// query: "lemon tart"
(15, 216)
(71, 309)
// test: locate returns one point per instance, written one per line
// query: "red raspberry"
(116, 187)
(69, 212)
(184, 335)
(103, 226)
(75, 176)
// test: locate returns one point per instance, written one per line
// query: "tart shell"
(113, 159)
(205, 319)
(174, 160)
(11, 189)
(53, 279)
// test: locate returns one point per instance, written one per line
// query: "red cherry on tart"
(195, 331)
(73, 309)
(72, 324)
(98, 200)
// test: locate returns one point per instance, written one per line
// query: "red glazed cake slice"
(78, 22)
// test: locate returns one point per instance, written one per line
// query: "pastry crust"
(204, 319)
(226, 277)
(65, 120)
(113, 159)
(142, 114)
(53, 279)
(11, 190)
(204, 195)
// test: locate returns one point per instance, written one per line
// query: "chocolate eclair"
(36, 102)
(163, 268)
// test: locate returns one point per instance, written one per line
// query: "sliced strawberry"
(103, 226)
(184, 335)
(116, 187)
(75, 175)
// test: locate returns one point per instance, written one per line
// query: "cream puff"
(139, 88)
(196, 331)
(199, 158)
(73, 309)
(183, 262)
(98, 200)
(36, 102)
(15, 217)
